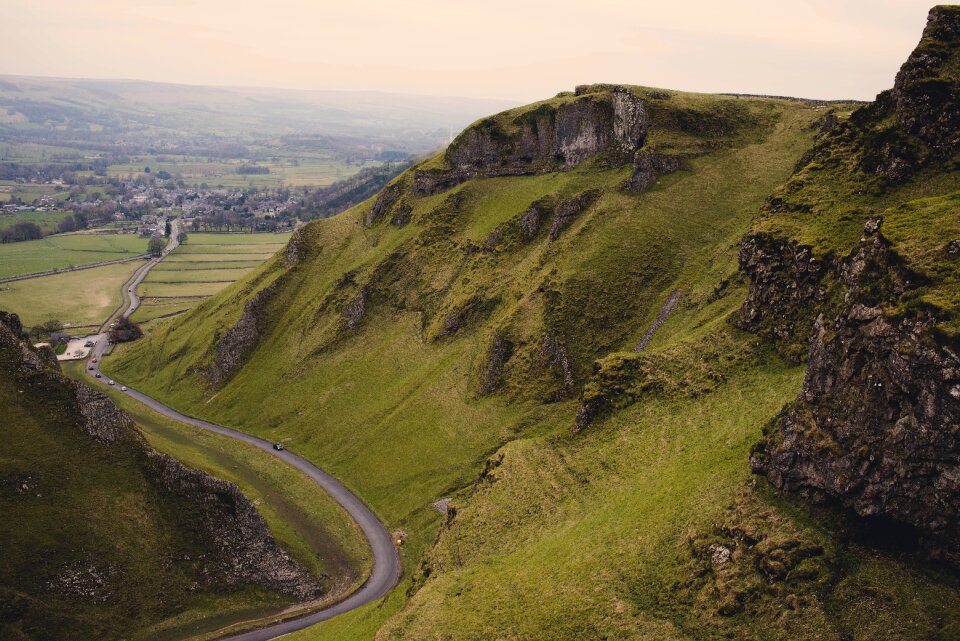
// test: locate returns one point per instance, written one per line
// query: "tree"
(68, 224)
(155, 246)
(51, 326)
(125, 330)
(182, 237)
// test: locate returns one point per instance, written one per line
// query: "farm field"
(46, 220)
(311, 170)
(205, 264)
(67, 250)
(78, 299)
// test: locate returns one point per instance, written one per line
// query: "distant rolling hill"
(139, 116)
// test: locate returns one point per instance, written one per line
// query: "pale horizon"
(492, 50)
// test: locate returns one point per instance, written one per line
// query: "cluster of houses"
(150, 205)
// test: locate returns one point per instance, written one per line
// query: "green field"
(244, 248)
(81, 298)
(46, 220)
(31, 192)
(196, 275)
(67, 250)
(201, 267)
(305, 169)
(236, 253)
(186, 262)
(151, 289)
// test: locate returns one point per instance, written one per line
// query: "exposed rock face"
(554, 355)
(471, 309)
(357, 309)
(102, 420)
(785, 290)
(533, 218)
(12, 339)
(877, 425)
(297, 247)
(239, 341)
(926, 93)
(501, 349)
(597, 120)
(12, 321)
(568, 210)
(246, 551)
(647, 167)
(661, 318)
(384, 202)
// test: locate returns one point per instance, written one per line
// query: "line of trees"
(22, 231)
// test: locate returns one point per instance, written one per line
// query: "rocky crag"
(877, 425)
(558, 134)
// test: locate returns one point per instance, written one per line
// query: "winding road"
(386, 562)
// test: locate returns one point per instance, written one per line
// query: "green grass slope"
(439, 352)
(92, 548)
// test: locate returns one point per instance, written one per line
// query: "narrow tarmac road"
(386, 562)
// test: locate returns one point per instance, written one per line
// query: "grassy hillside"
(434, 343)
(100, 542)
(92, 548)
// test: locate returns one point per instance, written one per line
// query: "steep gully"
(386, 562)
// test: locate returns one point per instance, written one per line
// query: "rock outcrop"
(245, 550)
(357, 309)
(558, 134)
(384, 202)
(102, 420)
(569, 210)
(647, 167)
(238, 343)
(786, 288)
(501, 349)
(877, 425)
(926, 94)
(554, 356)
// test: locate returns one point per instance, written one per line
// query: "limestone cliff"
(558, 134)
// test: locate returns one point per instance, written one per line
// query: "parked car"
(88, 344)
(278, 446)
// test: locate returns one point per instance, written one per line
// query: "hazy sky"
(514, 49)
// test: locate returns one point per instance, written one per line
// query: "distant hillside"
(147, 117)
(683, 366)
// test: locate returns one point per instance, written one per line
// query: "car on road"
(278, 446)
(93, 360)
(123, 388)
(91, 368)
(98, 375)
(110, 383)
